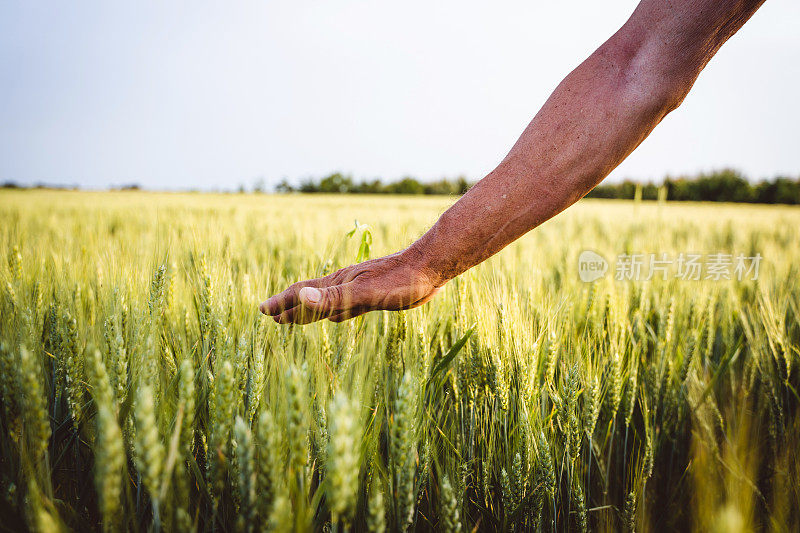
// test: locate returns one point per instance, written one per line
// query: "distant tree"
(445, 186)
(781, 190)
(407, 185)
(284, 186)
(787, 191)
(308, 185)
(649, 191)
(336, 183)
(462, 185)
(627, 190)
(679, 189)
(604, 191)
(442, 186)
(369, 187)
(726, 185)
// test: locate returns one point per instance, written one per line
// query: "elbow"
(658, 96)
(648, 78)
(662, 92)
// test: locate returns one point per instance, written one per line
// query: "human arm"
(592, 121)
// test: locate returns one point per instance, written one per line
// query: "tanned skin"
(593, 120)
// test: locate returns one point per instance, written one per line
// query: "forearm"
(597, 116)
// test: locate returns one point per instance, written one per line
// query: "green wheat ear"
(343, 458)
(581, 514)
(36, 421)
(403, 454)
(376, 521)
(449, 516)
(15, 264)
(221, 426)
(186, 402)
(297, 425)
(629, 513)
(269, 465)
(247, 475)
(108, 469)
(149, 447)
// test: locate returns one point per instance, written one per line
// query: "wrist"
(423, 263)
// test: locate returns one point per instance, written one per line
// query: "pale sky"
(176, 95)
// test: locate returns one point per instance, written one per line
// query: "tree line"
(340, 183)
(726, 185)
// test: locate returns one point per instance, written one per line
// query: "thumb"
(326, 300)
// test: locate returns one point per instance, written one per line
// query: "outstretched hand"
(391, 283)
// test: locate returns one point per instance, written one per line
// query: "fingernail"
(311, 294)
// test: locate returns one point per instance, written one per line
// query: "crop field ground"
(143, 391)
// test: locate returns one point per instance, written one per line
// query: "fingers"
(347, 315)
(288, 299)
(307, 302)
(275, 305)
(286, 317)
(297, 315)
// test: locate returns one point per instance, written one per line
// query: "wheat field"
(143, 391)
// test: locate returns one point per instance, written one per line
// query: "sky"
(200, 95)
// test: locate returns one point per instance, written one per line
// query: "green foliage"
(366, 241)
(724, 185)
(339, 183)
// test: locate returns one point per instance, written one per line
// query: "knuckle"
(294, 287)
(335, 296)
(341, 275)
